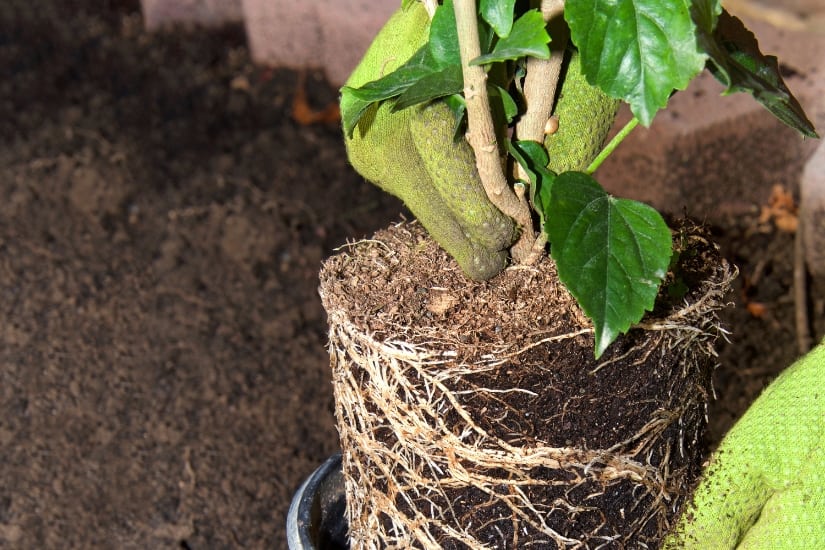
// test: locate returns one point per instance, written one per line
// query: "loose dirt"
(164, 380)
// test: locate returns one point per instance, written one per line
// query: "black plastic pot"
(317, 514)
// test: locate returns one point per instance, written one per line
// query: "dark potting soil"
(164, 381)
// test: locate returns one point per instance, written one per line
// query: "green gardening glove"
(411, 153)
(765, 485)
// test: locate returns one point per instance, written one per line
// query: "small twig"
(481, 133)
(538, 249)
(541, 80)
(540, 86)
(800, 292)
(550, 9)
(430, 6)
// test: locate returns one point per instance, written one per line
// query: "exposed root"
(412, 447)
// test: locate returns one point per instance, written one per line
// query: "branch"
(800, 291)
(540, 85)
(481, 133)
(430, 6)
(543, 76)
(611, 146)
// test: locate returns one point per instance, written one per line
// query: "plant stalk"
(481, 134)
(540, 86)
(617, 139)
(430, 6)
(542, 79)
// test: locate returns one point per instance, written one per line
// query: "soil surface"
(164, 380)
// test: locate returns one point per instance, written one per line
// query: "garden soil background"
(164, 380)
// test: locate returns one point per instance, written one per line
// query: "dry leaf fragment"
(781, 210)
(757, 309)
(441, 302)
(304, 114)
(240, 83)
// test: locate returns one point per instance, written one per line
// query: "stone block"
(210, 13)
(327, 34)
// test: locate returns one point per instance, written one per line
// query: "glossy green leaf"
(508, 104)
(533, 157)
(528, 37)
(458, 106)
(396, 82)
(612, 254)
(705, 13)
(356, 101)
(443, 43)
(445, 82)
(499, 14)
(735, 60)
(352, 109)
(639, 51)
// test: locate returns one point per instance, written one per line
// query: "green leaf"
(705, 13)
(527, 38)
(396, 82)
(636, 50)
(352, 109)
(508, 104)
(735, 60)
(612, 254)
(499, 14)
(533, 157)
(458, 106)
(445, 82)
(443, 43)
(356, 101)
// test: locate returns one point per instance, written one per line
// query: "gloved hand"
(765, 485)
(412, 154)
